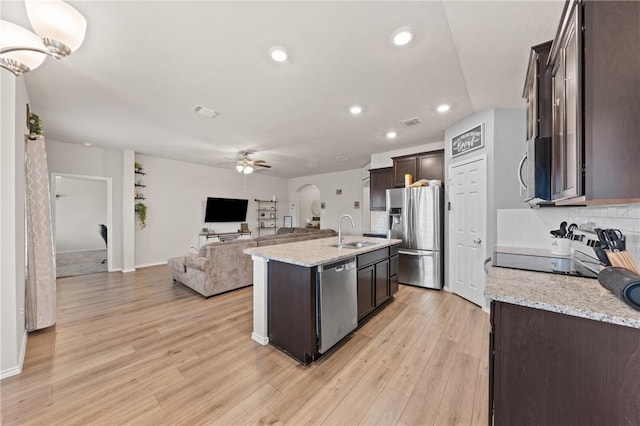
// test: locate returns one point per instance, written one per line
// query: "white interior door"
(467, 228)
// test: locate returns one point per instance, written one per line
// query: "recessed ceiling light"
(87, 144)
(443, 108)
(278, 54)
(402, 36)
(355, 109)
(391, 135)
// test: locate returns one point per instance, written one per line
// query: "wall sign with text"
(467, 141)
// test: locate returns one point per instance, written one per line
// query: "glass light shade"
(239, 168)
(12, 35)
(247, 170)
(55, 20)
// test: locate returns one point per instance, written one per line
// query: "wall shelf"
(267, 215)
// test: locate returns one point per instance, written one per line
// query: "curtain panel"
(41, 270)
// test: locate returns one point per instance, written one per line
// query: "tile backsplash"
(530, 227)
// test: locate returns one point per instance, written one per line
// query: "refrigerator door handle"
(417, 253)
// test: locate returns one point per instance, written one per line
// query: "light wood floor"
(138, 349)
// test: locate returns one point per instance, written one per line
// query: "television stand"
(223, 236)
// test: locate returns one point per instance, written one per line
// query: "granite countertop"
(580, 297)
(316, 252)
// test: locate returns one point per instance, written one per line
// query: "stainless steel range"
(578, 264)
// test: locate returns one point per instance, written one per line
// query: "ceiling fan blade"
(266, 166)
(258, 161)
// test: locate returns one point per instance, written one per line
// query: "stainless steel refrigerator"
(416, 217)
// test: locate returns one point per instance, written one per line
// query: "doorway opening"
(82, 224)
(309, 206)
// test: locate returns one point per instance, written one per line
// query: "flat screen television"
(225, 210)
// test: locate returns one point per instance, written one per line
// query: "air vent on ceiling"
(410, 122)
(202, 110)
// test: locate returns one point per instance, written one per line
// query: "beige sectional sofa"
(222, 266)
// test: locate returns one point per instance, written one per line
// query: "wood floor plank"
(138, 348)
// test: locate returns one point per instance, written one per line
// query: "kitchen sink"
(354, 244)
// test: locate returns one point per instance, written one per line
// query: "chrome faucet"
(340, 227)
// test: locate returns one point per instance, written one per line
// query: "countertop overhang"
(316, 252)
(580, 297)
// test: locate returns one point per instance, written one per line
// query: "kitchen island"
(284, 287)
(563, 350)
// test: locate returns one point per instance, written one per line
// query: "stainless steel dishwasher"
(337, 302)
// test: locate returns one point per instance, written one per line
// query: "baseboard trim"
(260, 339)
(126, 271)
(146, 265)
(13, 371)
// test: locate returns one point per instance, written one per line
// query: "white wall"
(80, 160)
(350, 182)
(80, 206)
(13, 337)
(176, 192)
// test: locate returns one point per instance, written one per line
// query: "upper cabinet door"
(402, 166)
(381, 180)
(431, 165)
(567, 160)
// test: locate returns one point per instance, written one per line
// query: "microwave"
(534, 172)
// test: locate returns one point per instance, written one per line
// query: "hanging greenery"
(35, 126)
(141, 213)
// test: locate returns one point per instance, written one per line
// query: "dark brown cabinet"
(366, 291)
(291, 301)
(394, 264)
(537, 92)
(595, 63)
(377, 272)
(380, 181)
(292, 297)
(382, 282)
(566, 167)
(547, 368)
(427, 165)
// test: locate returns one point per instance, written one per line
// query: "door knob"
(477, 241)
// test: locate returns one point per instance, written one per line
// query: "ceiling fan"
(246, 165)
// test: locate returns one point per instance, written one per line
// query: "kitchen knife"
(602, 256)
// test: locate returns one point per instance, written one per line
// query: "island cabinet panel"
(291, 300)
(377, 279)
(394, 265)
(382, 282)
(366, 291)
(548, 368)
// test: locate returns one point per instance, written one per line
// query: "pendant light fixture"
(60, 31)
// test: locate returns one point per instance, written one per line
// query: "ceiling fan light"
(248, 169)
(19, 61)
(239, 168)
(61, 27)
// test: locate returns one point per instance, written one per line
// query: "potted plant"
(35, 126)
(141, 214)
